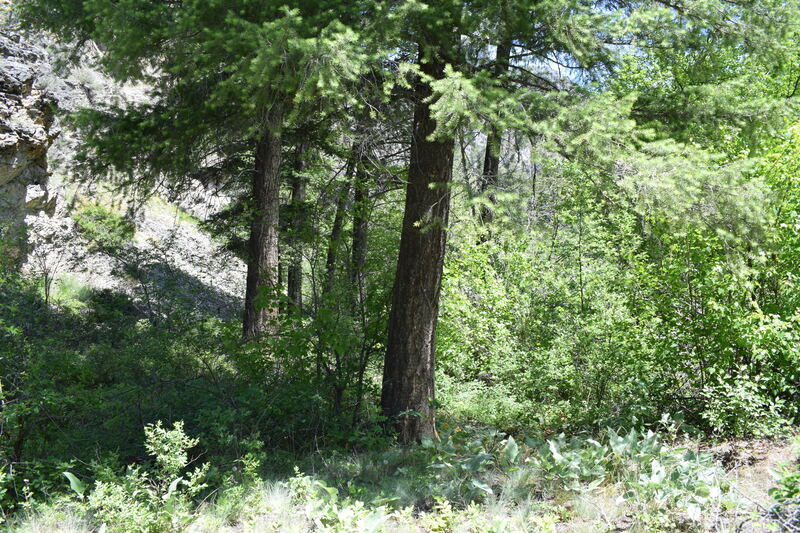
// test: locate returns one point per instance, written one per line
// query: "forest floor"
(310, 503)
(750, 466)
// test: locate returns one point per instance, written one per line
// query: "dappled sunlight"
(425, 266)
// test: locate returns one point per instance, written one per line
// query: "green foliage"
(459, 462)
(155, 499)
(168, 447)
(73, 367)
(567, 351)
(743, 407)
(786, 512)
(70, 292)
(104, 229)
(77, 486)
(328, 513)
(656, 479)
(643, 259)
(600, 303)
(788, 484)
(221, 66)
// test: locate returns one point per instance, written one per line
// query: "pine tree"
(551, 57)
(226, 78)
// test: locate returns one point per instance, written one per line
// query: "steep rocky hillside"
(168, 261)
(26, 120)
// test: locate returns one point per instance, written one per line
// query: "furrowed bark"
(408, 378)
(261, 316)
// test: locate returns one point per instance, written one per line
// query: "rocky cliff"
(176, 263)
(26, 120)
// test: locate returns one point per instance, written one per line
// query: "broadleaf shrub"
(155, 499)
(103, 228)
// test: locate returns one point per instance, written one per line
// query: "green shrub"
(104, 229)
(788, 483)
(153, 499)
(740, 407)
(653, 474)
(71, 293)
(786, 494)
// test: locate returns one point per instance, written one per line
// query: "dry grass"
(273, 507)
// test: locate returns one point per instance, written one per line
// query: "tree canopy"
(538, 216)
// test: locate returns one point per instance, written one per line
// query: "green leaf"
(172, 488)
(510, 450)
(478, 484)
(554, 450)
(78, 486)
(475, 463)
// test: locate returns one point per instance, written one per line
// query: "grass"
(58, 516)
(159, 206)
(70, 292)
(405, 489)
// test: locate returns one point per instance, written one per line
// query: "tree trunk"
(359, 245)
(260, 316)
(408, 375)
(335, 240)
(358, 261)
(491, 160)
(294, 279)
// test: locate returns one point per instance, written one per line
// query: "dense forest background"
(493, 265)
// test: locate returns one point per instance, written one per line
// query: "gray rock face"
(26, 119)
(171, 265)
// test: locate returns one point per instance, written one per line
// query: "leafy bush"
(606, 326)
(657, 480)
(153, 499)
(70, 376)
(69, 292)
(458, 463)
(741, 407)
(104, 229)
(786, 493)
(659, 483)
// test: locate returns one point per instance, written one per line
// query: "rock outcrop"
(177, 265)
(26, 119)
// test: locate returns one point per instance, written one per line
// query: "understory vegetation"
(527, 440)
(510, 266)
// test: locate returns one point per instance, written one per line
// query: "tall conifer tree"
(225, 78)
(550, 56)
